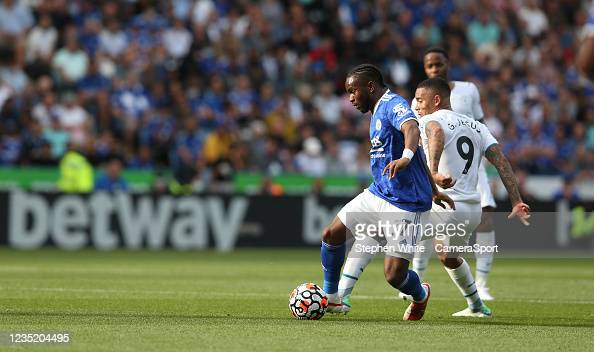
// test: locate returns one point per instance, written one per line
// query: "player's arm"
(519, 208)
(436, 144)
(438, 197)
(410, 130)
(477, 108)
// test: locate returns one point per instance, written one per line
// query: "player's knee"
(395, 274)
(332, 237)
(335, 233)
(486, 224)
(326, 235)
(449, 262)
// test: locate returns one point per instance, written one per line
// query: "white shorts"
(454, 227)
(368, 215)
(487, 199)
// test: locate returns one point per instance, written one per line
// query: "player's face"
(358, 94)
(426, 102)
(436, 65)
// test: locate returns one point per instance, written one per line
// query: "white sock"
(421, 259)
(463, 279)
(354, 265)
(484, 261)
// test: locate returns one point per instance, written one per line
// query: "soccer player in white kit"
(455, 145)
(464, 99)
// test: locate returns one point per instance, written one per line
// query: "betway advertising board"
(104, 221)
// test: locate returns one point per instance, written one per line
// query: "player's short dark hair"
(437, 85)
(437, 49)
(368, 72)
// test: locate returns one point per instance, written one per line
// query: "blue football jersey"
(410, 189)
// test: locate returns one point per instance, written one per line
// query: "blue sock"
(412, 286)
(332, 260)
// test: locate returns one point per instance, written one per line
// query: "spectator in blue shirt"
(111, 180)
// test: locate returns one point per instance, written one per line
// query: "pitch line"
(213, 295)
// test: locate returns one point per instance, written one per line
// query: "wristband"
(407, 153)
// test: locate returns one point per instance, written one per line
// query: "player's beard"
(365, 104)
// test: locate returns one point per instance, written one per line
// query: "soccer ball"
(308, 301)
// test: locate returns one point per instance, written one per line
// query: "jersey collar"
(378, 101)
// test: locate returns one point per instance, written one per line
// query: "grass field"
(174, 301)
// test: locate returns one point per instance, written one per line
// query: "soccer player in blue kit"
(401, 191)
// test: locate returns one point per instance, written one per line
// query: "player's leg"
(485, 234)
(466, 217)
(421, 259)
(420, 262)
(407, 281)
(358, 210)
(357, 260)
(400, 251)
(332, 253)
(460, 273)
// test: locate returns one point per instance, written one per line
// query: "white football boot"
(337, 305)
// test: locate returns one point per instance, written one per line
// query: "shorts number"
(468, 156)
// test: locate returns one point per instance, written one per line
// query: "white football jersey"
(464, 99)
(465, 143)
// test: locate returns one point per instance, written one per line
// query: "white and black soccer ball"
(308, 301)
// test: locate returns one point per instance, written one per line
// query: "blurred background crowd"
(207, 88)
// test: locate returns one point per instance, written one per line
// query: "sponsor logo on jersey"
(400, 110)
(376, 147)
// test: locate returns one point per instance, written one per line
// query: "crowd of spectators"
(207, 88)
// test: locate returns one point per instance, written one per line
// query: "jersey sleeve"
(424, 142)
(477, 110)
(423, 122)
(400, 113)
(413, 107)
(487, 138)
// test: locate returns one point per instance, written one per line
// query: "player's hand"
(443, 180)
(395, 165)
(522, 212)
(440, 197)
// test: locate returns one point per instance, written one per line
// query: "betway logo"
(73, 222)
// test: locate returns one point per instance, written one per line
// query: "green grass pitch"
(200, 301)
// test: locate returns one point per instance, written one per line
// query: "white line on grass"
(254, 294)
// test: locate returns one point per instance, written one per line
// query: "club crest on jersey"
(378, 124)
(400, 110)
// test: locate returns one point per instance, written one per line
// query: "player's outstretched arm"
(412, 134)
(520, 209)
(436, 138)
